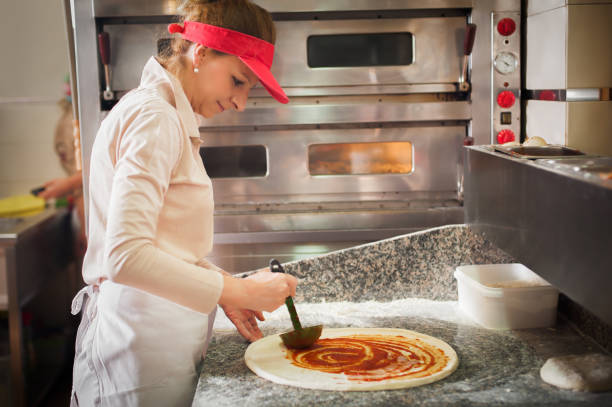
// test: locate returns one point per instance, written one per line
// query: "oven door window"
(349, 50)
(235, 161)
(360, 158)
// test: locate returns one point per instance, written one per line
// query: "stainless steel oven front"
(370, 145)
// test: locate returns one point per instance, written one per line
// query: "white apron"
(136, 349)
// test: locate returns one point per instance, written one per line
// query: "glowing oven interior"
(371, 158)
(360, 158)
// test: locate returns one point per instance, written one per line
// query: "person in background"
(71, 186)
(148, 308)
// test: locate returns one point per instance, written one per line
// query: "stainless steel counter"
(34, 249)
(554, 216)
(12, 228)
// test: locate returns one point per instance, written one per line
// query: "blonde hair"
(237, 15)
(64, 139)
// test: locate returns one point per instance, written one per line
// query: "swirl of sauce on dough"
(371, 357)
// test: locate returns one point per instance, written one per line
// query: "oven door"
(369, 52)
(348, 164)
(329, 57)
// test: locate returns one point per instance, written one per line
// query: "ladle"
(300, 337)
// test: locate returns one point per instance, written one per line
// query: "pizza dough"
(591, 372)
(535, 141)
(355, 359)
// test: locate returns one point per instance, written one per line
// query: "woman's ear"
(199, 54)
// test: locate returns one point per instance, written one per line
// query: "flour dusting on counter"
(340, 314)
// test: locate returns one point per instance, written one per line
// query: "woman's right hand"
(272, 288)
(262, 291)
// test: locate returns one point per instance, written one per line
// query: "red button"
(505, 136)
(506, 26)
(506, 99)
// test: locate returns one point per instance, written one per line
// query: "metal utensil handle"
(468, 41)
(468, 44)
(105, 56)
(293, 314)
(276, 267)
(104, 45)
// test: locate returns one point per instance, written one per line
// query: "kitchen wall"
(35, 61)
(569, 48)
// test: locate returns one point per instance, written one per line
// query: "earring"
(196, 70)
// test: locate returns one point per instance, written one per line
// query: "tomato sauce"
(371, 357)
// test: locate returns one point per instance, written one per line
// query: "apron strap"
(79, 298)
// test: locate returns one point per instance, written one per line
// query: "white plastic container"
(506, 296)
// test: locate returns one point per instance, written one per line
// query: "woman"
(71, 186)
(149, 306)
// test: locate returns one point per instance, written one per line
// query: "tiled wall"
(35, 60)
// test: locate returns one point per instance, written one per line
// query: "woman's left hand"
(56, 188)
(245, 321)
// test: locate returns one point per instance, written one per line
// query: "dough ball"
(535, 141)
(590, 372)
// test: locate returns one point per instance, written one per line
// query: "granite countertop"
(404, 282)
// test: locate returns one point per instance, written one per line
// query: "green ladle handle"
(276, 267)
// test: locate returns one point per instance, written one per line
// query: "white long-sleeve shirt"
(151, 201)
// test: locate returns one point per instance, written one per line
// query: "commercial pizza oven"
(384, 95)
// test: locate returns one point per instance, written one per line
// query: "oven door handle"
(468, 44)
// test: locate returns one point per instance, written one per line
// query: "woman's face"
(222, 83)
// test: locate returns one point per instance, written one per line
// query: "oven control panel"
(506, 77)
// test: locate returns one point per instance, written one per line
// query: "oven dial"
(505, 63)
(505, 136)
(506, 99)
(506, 26)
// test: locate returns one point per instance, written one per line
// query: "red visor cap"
(256, 53)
